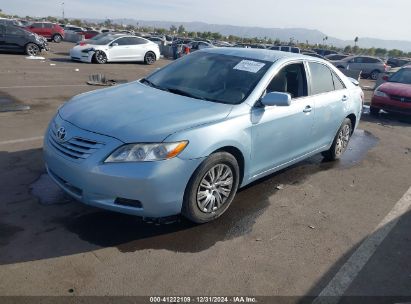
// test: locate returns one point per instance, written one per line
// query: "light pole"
(62, 5)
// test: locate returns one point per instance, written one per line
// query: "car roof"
(258, 54)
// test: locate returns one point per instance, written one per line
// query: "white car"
(116, 48)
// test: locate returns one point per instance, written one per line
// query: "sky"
(344, 19)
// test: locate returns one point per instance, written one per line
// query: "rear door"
(140, 47)
(47, 30)
(330, 95)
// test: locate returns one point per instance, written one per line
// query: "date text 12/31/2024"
(188, 299)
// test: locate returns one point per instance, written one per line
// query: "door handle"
(344, 98)
(307, 109)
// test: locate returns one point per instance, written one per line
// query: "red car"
(48, 30)
(394, 95)
(88, 34)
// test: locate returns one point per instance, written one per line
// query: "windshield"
(209, 76)
(402, 76)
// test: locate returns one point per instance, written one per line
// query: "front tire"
(340, 142)
(32, 49)
(150, 58)
(100, 57)
(211, 188)
(57, 38)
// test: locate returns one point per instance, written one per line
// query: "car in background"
(199, 45)
(398, 62)
(48, 30)
(312, 54)
(157, 40)
(285, 48)
(394, 95)
(188, 136)
(325, 52)
(8, 21)
(88, 34)
(222, 44)
(369, 66)
(18, 39)
(72, 29)
(116, 48)
(336, 56)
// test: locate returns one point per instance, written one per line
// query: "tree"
(173, 29)
(108, 23)
(355, 41)
(181, 29)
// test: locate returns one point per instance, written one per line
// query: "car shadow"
(32, 229)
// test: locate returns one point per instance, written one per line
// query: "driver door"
(120, 49)
(283, 134)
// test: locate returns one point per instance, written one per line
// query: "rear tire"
(32, 49)
(340, 142)
(57, 38)
(100, 57)
(211, 188)
(374, 111)
(150, 58)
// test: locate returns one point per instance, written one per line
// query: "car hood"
(134, 112)
(395, 88)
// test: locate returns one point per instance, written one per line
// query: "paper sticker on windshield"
(249, 66)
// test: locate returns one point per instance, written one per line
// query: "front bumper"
(80, 56)
(390, 105)
(159, 186)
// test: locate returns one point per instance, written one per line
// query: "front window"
(209, 76)
(402, 76)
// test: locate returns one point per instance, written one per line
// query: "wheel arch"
(353, 119)
(238, 155)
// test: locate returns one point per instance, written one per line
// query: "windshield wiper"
(187, 94)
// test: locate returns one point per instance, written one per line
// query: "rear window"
(321, 78)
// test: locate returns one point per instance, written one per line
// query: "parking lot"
(299, 232)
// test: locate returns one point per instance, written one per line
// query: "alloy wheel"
(342, 140)
(32, 50)
(215, 188)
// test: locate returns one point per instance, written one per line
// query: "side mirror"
(276, 99)
(354, 81)
(114, 44)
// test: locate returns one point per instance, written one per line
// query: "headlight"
(146, 152)
(88, 50)
(380, 94)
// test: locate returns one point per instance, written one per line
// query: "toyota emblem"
(61, 133)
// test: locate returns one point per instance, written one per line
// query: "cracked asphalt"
(287, 240)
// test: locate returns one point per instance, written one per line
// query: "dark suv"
(17, 39)
(48, 30)
(398, 62)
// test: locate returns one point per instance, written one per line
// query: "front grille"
(77, 148)
(401, 98)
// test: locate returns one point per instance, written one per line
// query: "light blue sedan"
(185, 138)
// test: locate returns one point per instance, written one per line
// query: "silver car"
(369, 66)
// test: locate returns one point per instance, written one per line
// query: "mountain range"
(284, 34)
